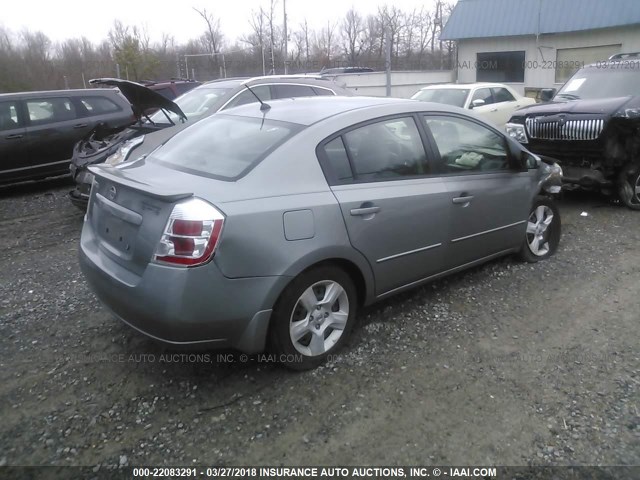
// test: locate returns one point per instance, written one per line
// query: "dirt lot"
(510, 364)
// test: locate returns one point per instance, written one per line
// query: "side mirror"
(546, 94)
(477, 103)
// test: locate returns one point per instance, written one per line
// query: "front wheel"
(629, 186)
(543, 231)
(313, 317)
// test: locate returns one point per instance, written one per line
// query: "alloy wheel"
(319, 318)
(538, 230)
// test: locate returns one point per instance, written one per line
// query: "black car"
(115, 146)
(38, 130)
(592, 126)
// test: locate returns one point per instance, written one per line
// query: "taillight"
(191, 234)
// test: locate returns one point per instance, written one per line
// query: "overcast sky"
(64, 19)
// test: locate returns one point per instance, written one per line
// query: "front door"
(489, 200)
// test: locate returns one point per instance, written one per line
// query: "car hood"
(140, 97)
(600, 106)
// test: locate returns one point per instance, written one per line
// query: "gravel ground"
(507, 364)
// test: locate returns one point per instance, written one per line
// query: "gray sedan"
(266, 227)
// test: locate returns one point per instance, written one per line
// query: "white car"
(493, 102)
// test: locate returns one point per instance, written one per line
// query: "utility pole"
(387, 36)
(286, 40)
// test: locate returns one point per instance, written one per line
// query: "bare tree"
(213, 37)
(352, 29)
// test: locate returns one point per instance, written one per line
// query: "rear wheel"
(543, 231)
(629, 186)
(313, 317)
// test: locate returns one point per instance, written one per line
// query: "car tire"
(313, 317)
(543, 231)
(629, 186)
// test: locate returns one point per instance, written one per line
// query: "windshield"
(604, 81)
(223, 147)
(195, 104)
(448, 96)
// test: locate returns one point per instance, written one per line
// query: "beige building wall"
(541, 54)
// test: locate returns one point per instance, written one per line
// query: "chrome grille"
(571, 130)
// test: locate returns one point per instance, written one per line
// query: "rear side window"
(50, 110)
(386, 150)
(502, 95)
(8, 115)
(292, 91)
(99, 105)
(323, 91)
(338, 161)
(224, 147)
(262, 92)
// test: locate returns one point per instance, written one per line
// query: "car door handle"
(494, 110)
(15, 136)
(462, 200)
(80, 125)
(364, 211)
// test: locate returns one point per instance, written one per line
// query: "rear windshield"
(224, 147)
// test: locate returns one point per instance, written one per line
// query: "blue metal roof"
(502, 18)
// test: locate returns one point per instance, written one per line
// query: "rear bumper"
(184, 306)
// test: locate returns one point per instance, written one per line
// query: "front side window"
(50, 110)
(466, 146)
(8, 115)
(223, 147)
(386, 150)
(483, 94)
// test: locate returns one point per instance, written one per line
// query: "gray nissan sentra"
(266, 227)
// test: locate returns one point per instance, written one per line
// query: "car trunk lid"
(128, 216)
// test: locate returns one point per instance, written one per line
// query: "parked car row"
(267, 225)
(116, 145)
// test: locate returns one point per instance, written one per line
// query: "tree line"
(31, 61)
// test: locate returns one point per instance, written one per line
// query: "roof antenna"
(263, 106)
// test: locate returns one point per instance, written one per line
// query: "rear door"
(13, 153)
(394, 209)
(489, 201)
(54, 126)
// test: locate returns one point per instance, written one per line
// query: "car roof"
(309, 110)
(313, 80)
(53, 93)
(464, 86)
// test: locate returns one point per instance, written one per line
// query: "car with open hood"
(270, 226)
(116, 145)
(592, 126)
